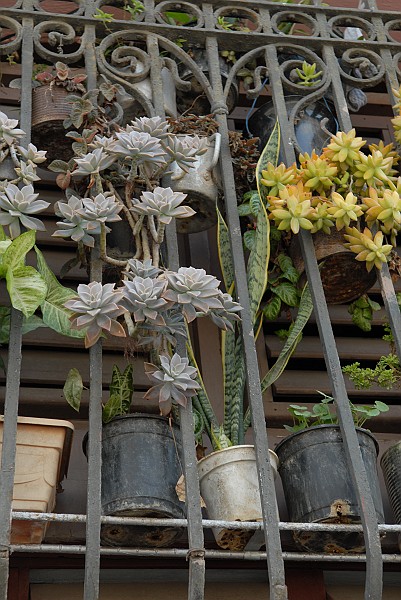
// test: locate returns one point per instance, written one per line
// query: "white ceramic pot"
(229, 486)
(200, 185)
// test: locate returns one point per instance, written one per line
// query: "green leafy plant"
(307, 75)
(323, 414)
(33, 291)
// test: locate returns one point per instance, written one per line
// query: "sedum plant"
(33, 291)
(344, 188)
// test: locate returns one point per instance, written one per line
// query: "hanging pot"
(391, 467)
(7, 170)
(42, 456)
(201, 186)
(318, 486)
(49, 109)
(229, 486)
(195, 100)
(141, 465)
(308, 127)
(343, 277)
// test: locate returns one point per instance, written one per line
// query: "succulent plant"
(140, 147)
(97, 309)
(367, 247)
(143, 297)
(32, 154)
(138, 268)
(344, 210)
(226, 316)
(102, 209)
(158, 335)
(17, 206)
(163, 203)
(154, 126)
(175, 382)
(8, 129)
(185, 150)
(75, 225)
(92, 163)
(194, 290)
(27, 172)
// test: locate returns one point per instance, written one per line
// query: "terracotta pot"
(343, 277)
(49, 109)
(43, 452)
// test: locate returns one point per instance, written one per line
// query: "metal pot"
(318, 486)
(391, 467)
(230, 488)
(201, 186)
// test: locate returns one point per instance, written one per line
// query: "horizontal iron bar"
(149, 522)
(182, 553)
(226, 37)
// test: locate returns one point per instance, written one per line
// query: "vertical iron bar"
(374, 562)
(275, 562)
(93, 507)
(196, 552)
(7, 471)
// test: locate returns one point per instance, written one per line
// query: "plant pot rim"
(271, 452)
(328, 426)
(69, 430)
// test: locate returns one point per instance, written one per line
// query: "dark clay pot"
(141, 465)
(309, 133)
(344, 278)
(391, 467)
(318, 487)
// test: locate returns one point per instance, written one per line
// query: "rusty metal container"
(318, 486)
(230, 488)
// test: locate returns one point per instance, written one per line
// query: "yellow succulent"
(344, 148)
(368, 248)
(344, 210)
(397, 128)
(397, 94)
(321, 219)
(386, 151)
(373, 169)
(317, 174)
(295, 216)
(278, 177)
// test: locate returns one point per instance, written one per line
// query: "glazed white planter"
(200, 185)
(229, 486)
(43, 451)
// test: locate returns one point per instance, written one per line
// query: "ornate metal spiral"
(59, 34)
(10, 35)
(180, 7)
(361, 68)
(337, 24)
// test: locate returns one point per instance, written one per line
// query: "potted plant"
(150, 304)
(316, 482)
(344, 196)
(43, 445)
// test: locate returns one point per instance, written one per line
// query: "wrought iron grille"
(33, 29)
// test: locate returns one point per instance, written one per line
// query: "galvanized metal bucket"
(230, 488)
(391, 467)
(200, 185)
